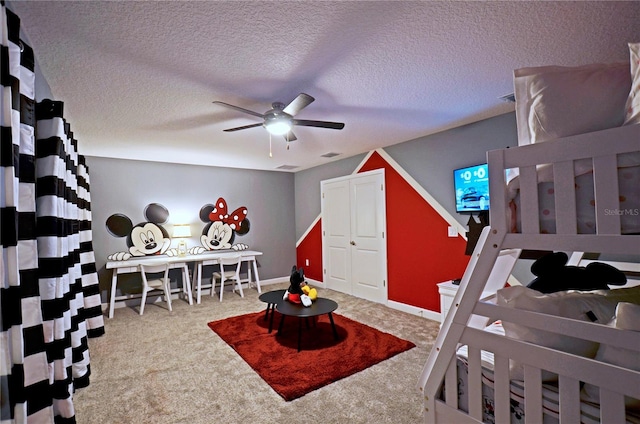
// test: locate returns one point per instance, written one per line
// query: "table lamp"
(182, 231)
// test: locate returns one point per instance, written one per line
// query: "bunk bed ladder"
(487, 272)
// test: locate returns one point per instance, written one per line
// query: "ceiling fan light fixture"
(280, 119)
(279, 125)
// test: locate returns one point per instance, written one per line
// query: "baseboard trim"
(414, 310)
(277, 280)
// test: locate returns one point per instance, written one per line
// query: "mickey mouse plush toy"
(553, 275)
(299, 291)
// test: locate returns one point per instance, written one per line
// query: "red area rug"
(322, 360)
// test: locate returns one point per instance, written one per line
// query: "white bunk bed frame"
(490, 266)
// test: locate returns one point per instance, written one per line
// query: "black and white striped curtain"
(49, 294)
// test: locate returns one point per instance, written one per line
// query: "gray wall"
(429, 160)
(307, 189)
(124, 186)
(281, 206)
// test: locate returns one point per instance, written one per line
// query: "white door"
(354, 240)
(336, 232)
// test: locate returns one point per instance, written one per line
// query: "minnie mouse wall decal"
(144, 239)
(221, 227)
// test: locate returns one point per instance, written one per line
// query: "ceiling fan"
(280, 119)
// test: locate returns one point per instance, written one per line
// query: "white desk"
(133, 266)
(212, 258)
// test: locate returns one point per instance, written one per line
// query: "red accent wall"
(419, 252)
(311, 248)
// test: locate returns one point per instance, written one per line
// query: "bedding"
(632, 107)
(592, 306)
(558, 101)
(590, 412)
(551, 103)
(628, 182)
(627, 317)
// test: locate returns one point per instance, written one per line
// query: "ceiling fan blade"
(242, 128)
(250, 112)
(319, 124)
(303, 100)
(290, 136)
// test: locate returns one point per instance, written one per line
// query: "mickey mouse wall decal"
(221, 227)
(144, 239)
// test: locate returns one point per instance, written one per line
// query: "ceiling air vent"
(287, 167)
(330, 155)
(509, 98)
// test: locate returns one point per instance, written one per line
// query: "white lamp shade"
(182, 230)
(278, 127)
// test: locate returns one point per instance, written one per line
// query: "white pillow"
(633, 102)
(486, 358)
(558, 101)
(627, 318)
(593, 306)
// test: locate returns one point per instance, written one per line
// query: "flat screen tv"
(471, 186)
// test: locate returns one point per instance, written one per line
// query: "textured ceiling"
(138, 78)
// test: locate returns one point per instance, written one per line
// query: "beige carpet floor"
(169, 367)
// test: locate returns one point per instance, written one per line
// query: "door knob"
(353, 243)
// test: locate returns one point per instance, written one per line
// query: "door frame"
(383, 247)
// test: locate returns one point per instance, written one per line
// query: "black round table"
(271, 298)
(320, 306)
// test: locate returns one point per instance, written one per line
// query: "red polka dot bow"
(234, 219)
